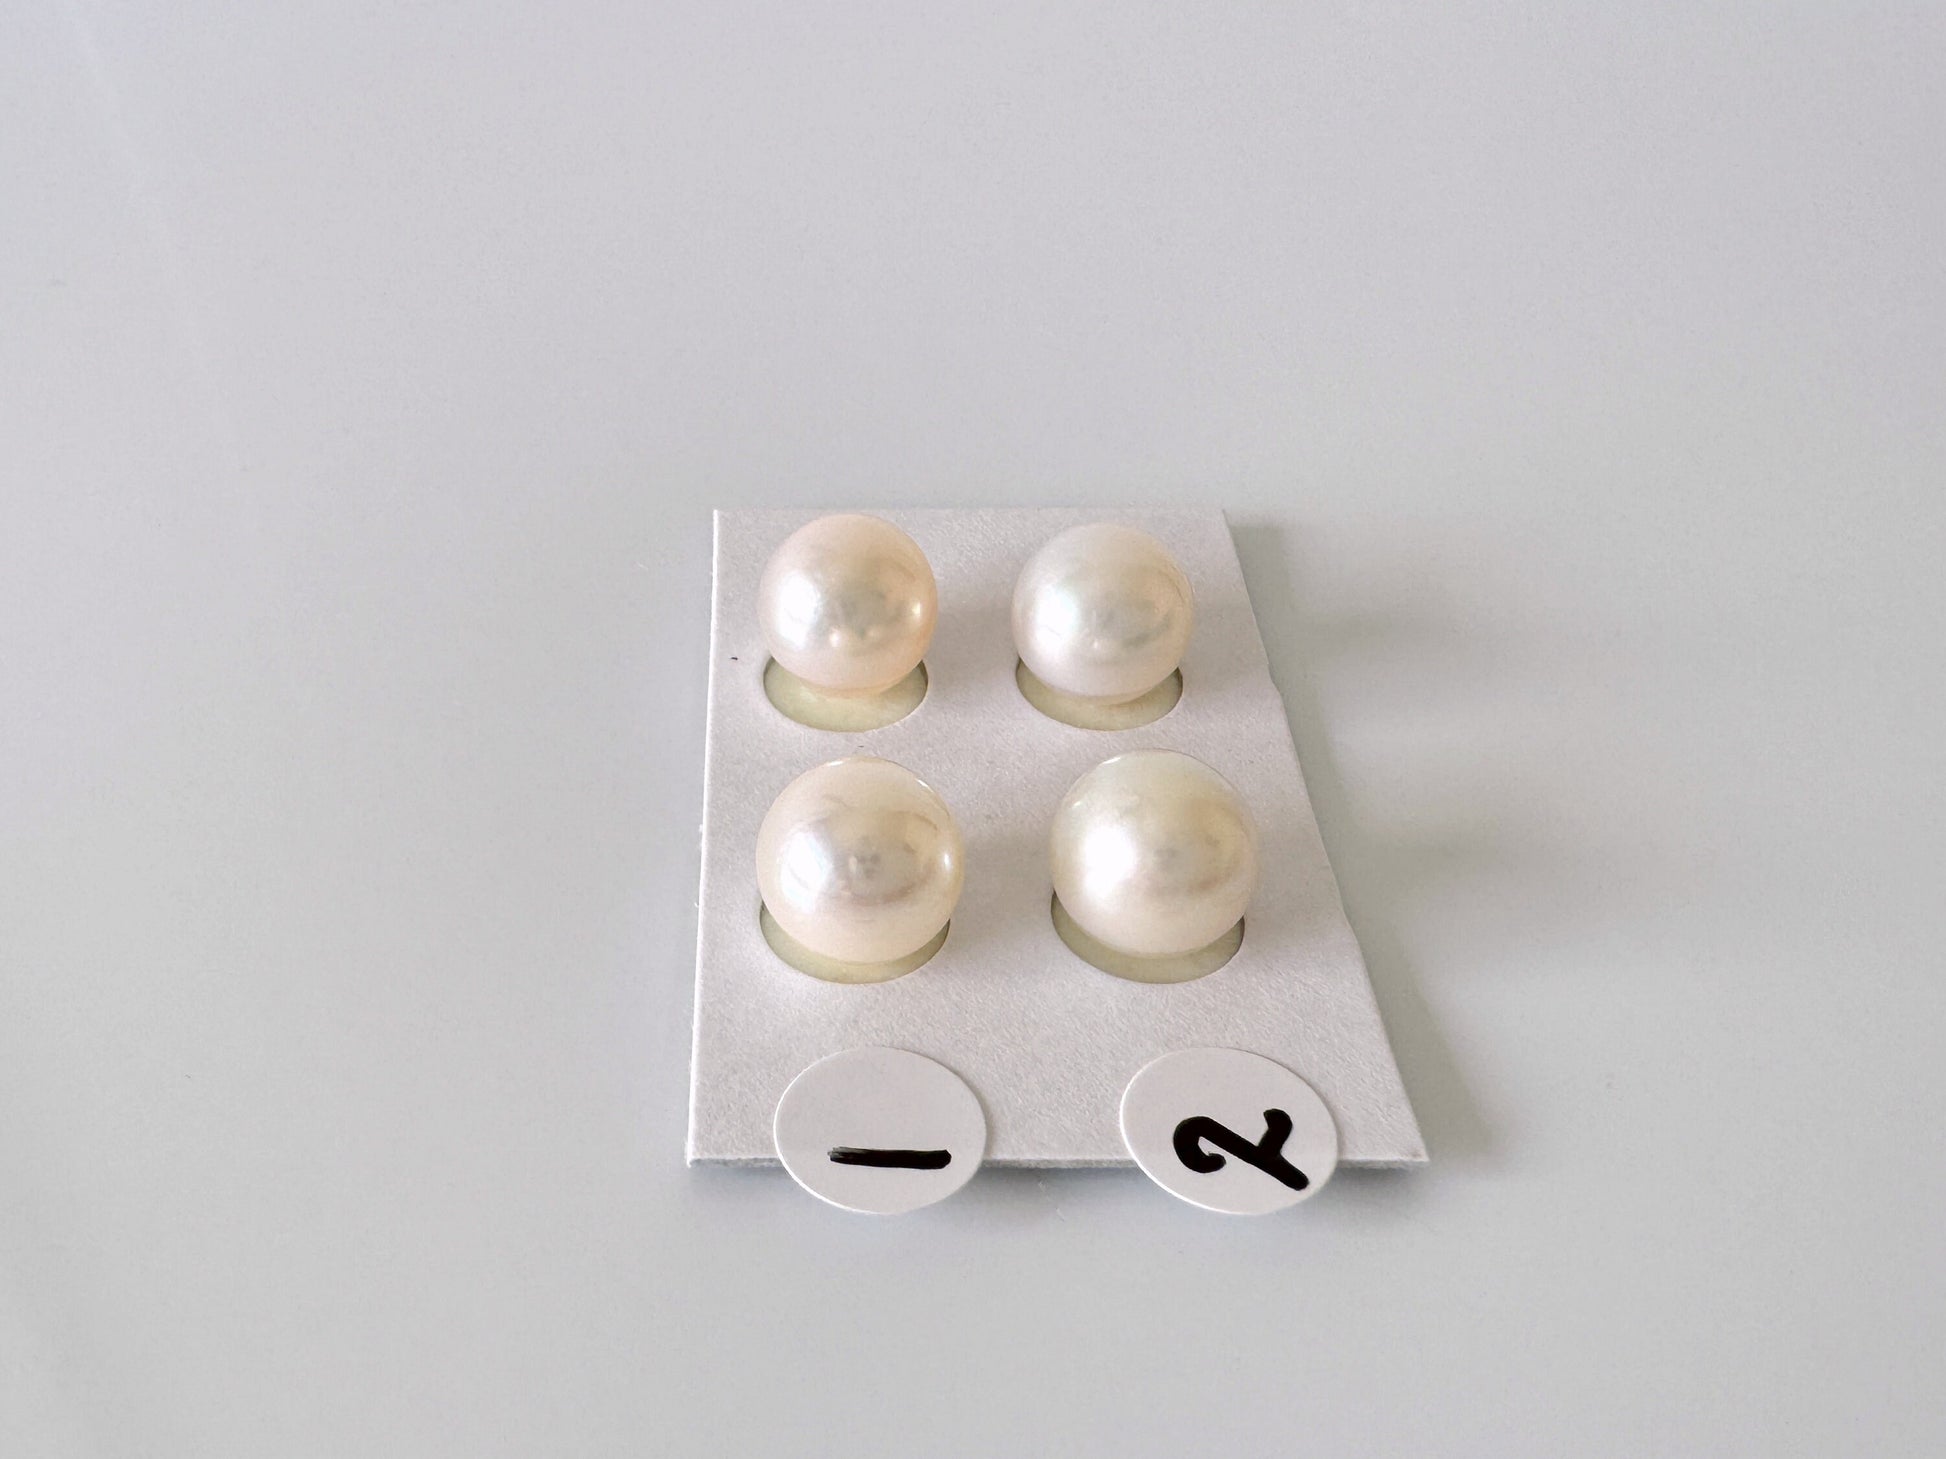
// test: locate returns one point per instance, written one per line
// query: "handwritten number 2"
(1267, 1154)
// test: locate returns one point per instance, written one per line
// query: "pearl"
(848, 604)
(1154, 854)
(1102, 613)
(860, 861)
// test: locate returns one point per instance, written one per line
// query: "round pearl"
(860, 860)
(1103, 612)
(848, 604)
(1154, 854)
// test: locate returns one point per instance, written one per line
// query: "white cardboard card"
(1047, 1042)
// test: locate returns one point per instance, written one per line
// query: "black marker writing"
(1267, 1154)
(892, 1159)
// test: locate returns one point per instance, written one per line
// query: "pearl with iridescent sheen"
(1102, 612)
(848, 604)
(1154, 854)
(860, 860)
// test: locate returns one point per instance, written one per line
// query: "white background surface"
(368, 375)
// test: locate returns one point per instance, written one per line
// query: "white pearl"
(860, 860)
(1103, 613)
(1154, 854)
(848, 604)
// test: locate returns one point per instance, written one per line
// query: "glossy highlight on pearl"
(1154, 854)
(1102, 613)
(861, 862)
(848, 604)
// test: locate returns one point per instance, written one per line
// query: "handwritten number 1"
(891, 1159)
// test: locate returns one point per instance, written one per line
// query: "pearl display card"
(1046, 1042)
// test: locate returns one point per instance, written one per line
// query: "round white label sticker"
(880, 1131)
(1229, 1131)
